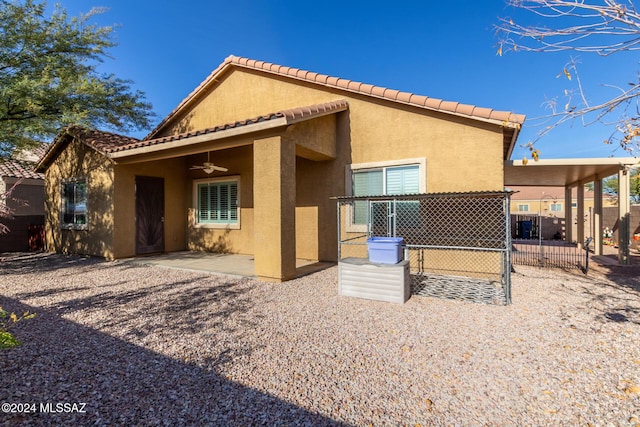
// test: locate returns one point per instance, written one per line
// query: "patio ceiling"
(563, 172)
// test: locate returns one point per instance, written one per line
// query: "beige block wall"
(174, 172)
(75, 162)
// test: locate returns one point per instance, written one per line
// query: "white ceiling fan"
(209, 167)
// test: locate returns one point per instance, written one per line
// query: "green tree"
(49, 76)
(610, 185)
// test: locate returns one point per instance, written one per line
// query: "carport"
(569, 173)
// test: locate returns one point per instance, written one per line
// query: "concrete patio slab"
(234, 265)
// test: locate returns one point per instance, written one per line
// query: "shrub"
(8, 321)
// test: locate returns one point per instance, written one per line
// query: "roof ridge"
(507, 118)
(380, 92)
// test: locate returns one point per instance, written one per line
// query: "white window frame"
(421, 162)
(523, 205)
(196, 208)
(69, 225)
(555, 207)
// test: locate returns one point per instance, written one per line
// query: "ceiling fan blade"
(219, 168)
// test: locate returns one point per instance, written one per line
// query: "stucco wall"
(174, 172)
(239, 162)
(461, 154)
(75, 162)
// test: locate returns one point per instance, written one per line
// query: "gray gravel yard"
(141, 345)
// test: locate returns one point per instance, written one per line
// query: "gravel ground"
(139, 345)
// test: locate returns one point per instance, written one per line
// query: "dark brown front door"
(149, 214)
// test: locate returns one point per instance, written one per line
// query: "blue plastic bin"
(385, 250)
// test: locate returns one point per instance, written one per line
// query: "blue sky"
(444, 50)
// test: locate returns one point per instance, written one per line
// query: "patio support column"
(274, 203)
(580, 216)
(624, 208)
(568, 215)
(597, 216)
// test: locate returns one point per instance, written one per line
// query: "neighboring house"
(546, 201)
(26, 201)
(285, 141)
(550, 204)
(527, 203)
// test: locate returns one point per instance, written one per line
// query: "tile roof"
(507, 118)
(22, 164)
(19, 169)
(289, 116)
(101, 141)
(108, 143)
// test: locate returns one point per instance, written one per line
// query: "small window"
(74, 203)
(555, 207)
(217, 202)
(523, 208)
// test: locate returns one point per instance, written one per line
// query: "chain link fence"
(458, 244)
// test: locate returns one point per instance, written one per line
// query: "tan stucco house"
(284, 141)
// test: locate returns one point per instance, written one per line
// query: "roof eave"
(207, 137)
(285, 118)
(501, 118)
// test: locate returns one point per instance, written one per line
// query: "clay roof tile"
(19, 169)
(366, 88)
(418, 99)
(344, 84)
(403, 97)
(391, 94)
(322, 78)
(377, 91)
(465, 109)
(433, 103)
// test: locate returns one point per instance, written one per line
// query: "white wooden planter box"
(357, 277)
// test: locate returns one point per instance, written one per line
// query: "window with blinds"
(218, 202)
(396, 180)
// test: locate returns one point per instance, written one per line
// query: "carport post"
(597, 216)
(580, 216)
(624, 232)
(568, 215)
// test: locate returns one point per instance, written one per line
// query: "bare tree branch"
(602, 27)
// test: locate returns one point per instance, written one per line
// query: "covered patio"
(569, 173)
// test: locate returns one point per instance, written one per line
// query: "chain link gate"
(458, 244)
